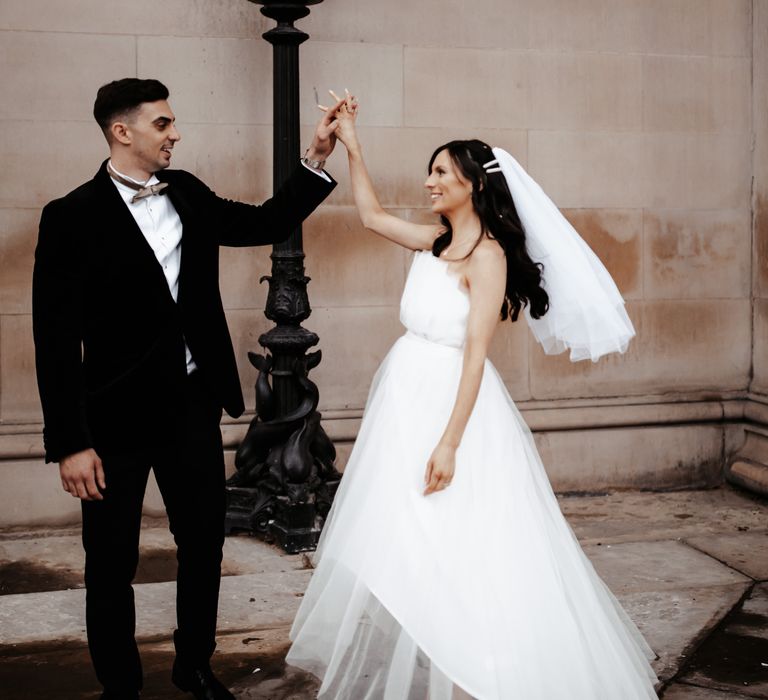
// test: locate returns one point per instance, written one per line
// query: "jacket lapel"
(125, 235)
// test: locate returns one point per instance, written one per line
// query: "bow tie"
(142, 191)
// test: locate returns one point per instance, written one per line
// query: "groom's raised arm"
(239, 224)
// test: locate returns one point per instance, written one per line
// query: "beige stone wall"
(760, 198)
(637, 116)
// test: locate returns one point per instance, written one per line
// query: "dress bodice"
(434, 306)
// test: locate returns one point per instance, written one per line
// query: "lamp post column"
(285, 478)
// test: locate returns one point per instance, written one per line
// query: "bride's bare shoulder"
(488, 253)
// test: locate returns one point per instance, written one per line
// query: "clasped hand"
(342, 116)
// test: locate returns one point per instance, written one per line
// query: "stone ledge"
(748, 467)
(749, 475)
(24, 441)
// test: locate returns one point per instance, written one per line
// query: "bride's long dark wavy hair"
(494, 205)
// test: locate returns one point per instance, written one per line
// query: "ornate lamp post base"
(285, 479)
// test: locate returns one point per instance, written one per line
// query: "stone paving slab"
(61, 551)
(658, 566)
(679, 691)
(624, 516)
(251, 664)
(673, 621)
(735, 657)
(251, 601)
(64, 553)
(744, 551)
(755, 607)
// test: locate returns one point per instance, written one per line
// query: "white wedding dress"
(482, 586)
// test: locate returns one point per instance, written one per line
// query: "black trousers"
(189, 469)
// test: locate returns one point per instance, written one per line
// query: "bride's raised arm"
(372, 214)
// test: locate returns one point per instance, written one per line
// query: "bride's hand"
(345, 116)
(440, 468)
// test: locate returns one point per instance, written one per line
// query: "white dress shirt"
(159, 221)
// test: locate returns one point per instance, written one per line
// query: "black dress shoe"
(200, 682)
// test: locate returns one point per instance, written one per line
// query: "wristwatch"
(314, 164)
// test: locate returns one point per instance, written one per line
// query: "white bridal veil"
(586, 311)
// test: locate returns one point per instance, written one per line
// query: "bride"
(446, 569)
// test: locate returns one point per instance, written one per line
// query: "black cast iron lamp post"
(285, 479)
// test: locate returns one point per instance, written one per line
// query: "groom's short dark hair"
(121, 97)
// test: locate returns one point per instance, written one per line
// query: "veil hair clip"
(489, 166)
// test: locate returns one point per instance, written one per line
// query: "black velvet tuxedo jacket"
(109, 338)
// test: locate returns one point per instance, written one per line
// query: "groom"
(135, 364)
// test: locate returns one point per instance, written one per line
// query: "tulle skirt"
(480, 587)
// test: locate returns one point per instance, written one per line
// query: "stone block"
(586, 25)
(343, 451)
(616, 237)
(67, 70)
(234, 160)
(698, 171)
(760, 159)
(245, 327)
(637, 457)
(372, 72)
(697, 254)
(397, 159)
(631, 170)
(32, 495)
(349, 20)
(240, 270)
(687, 27)
(354, 341)
(748, 466)
(350, 266)
(509, 354)
(731, 27)
(680, 346)
(589, 169)
(211, 80)
(18, 238)
(19, 400)
(760, 228)
(55, 157)
(171, 18)
(760, 347)
(585, 91)
(431, 100)
(696, 93)
(502, 24)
